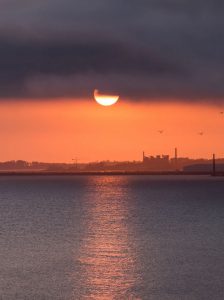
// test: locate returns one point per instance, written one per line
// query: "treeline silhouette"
(148, 164)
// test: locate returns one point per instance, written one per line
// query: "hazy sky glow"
(58, 131)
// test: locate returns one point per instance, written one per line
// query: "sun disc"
(105, 100)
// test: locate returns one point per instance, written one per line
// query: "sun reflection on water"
(107, 255)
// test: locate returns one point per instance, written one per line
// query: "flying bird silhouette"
(160, 131)
(201, 133)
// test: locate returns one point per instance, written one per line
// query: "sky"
(164, 58)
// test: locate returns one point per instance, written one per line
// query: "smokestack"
(175, 157)
(143, 156)
(213, 165)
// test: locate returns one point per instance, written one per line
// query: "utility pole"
(75, 162)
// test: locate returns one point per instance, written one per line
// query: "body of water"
(111, 237)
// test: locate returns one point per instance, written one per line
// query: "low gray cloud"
(141, 49)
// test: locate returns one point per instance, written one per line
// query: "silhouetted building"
(156, 163)
(204, 168)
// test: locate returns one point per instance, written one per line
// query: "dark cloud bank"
(141, 49)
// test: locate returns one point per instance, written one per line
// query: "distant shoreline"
(102, 173)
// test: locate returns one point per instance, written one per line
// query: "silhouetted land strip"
(104, 173)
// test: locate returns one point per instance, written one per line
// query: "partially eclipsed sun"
(105, 100)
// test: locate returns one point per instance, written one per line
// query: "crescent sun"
(105, 100)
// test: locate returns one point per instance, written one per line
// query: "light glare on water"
(108, 259)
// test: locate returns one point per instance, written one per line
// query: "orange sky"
(57, 131)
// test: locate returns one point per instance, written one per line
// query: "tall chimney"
(176, 159)
(213, 165)
(175, 153)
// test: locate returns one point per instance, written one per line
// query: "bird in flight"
(201, 133)
(160, 131)
(221, 112)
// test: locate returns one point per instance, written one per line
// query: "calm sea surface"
(111, 237)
